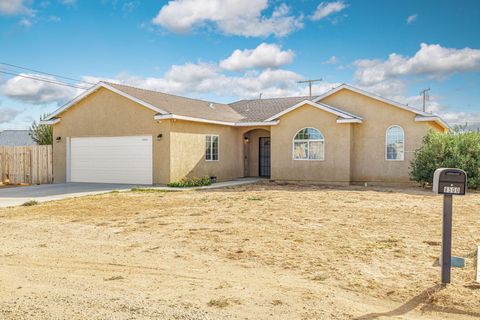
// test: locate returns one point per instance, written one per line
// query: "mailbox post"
(448, 182)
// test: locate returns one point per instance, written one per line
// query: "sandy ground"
(265, 251)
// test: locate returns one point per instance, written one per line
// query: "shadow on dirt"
(416, 301)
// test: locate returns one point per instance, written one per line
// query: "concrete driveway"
(46, 192)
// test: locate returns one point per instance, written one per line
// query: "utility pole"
(310, 84)
(424, 92)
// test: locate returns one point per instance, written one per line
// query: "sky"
(226, 50)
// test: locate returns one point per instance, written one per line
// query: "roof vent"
(211, 105)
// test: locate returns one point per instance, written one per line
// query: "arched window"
(309, 144)
(395, 144)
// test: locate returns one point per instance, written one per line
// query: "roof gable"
(370, 95)
(420, 115)
(162, 103)
(94, 89)
(339, 113)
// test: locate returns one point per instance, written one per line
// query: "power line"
(50, 74)
(44, 80)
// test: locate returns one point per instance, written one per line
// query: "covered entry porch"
(256, 152)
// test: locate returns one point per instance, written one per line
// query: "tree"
(448, 150)
(42, 134)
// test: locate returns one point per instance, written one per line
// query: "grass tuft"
(218, 303)
(222, 302)
(30, 203)
(150, 190)
(113, 278)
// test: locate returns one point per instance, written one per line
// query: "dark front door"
(264, 157)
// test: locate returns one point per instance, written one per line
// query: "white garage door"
(111, 160)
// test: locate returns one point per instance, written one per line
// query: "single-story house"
(114, 133)
(16, 138)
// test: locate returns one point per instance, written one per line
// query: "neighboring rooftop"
(16, 138)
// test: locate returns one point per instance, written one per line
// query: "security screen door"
(264, 157)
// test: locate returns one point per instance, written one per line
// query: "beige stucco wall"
(335, 167)
(105, 113)
(187, 151)
(369, 162)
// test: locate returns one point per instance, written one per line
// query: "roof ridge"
(155, 91)
(289, 97)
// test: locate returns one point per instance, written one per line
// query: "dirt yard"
(264, 251)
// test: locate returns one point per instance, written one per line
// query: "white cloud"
(196, 80)
(203, 79)
(433, 61)
(68, 2)
(264, 56)
(36, 92)
(25, 23)
(448, 114)
(393, 89)
(412, 18)
(325, 9)
(331, 60)
(233, 17)
(130, 6)
(54, 19)
(388, 78)
(14, 7)
(8, 114)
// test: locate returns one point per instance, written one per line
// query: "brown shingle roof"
(183, 106)
(262, 109)
(255, 110)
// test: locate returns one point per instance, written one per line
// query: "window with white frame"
(211, 148)
(309, 144)
(395, 144)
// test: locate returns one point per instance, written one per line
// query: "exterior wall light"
(58, 139)
(245, 139)
(159, 137)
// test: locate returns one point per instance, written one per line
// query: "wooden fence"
(30, 164)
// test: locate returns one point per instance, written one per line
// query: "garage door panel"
(111, 159)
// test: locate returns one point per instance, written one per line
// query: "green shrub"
(448, 150)
(191, 182)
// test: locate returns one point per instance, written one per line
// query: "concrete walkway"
(47, 192)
